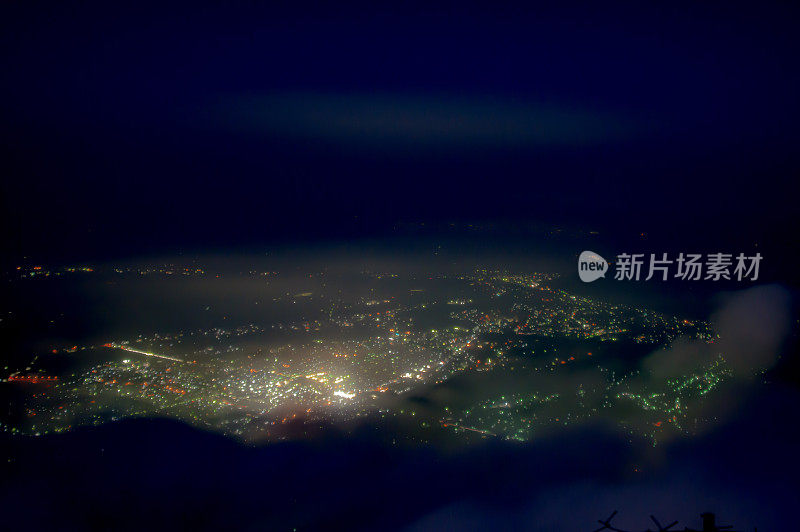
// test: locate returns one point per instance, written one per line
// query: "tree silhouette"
(709, 525)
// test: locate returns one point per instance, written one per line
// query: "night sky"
(145, 128)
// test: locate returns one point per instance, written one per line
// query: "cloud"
(752, 325)
(424, 120)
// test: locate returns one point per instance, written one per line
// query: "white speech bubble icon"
(591, 266)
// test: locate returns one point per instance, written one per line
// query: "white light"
(346, 395)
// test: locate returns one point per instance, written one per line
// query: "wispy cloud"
(424, 120)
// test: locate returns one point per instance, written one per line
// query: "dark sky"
(139, 128)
